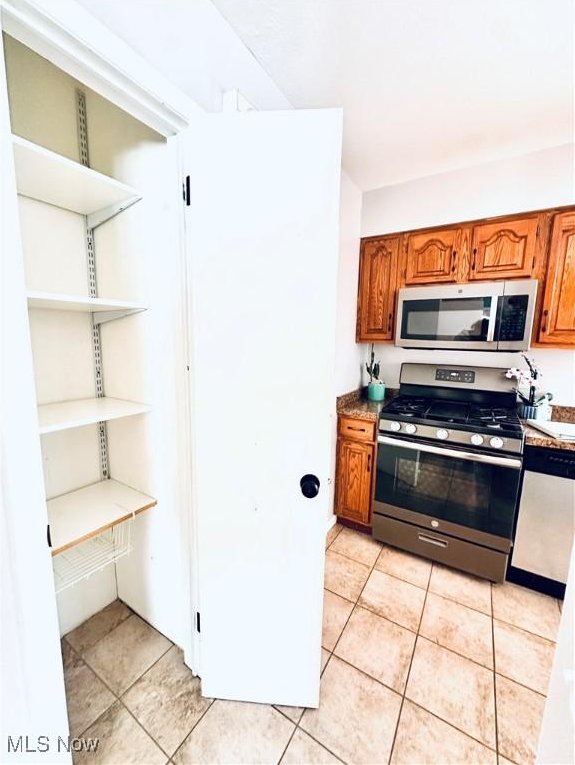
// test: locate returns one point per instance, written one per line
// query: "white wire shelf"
(85, 411)
(80, 562)
(92, 510)
(102, 309)
(49, 177)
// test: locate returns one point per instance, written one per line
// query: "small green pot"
(376, 391)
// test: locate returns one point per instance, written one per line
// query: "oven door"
(459, 316)
(466, 494)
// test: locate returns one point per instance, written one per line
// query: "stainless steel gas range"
(449, 463)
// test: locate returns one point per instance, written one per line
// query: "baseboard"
(535, 582)
(332, 520)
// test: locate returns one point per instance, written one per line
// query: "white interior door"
(32, 701)
(263, 237)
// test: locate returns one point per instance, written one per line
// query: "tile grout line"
(194, 726)
(417, 635)
(147, 732)
(119, 697)
(528, 632)
(296, 724)
(116, 696)
(140, 676)
(409, 669)
(332, 653)
(131, 613)
(494, 677)
(104, 683)
(288, 741)
(317, 741)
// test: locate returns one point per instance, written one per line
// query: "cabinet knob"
(309, 485)
(473, 261)
(389, 322)
(545, 315)
(453, 258)
(369, 463)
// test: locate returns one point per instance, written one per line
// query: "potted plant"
(533, 406)
(376, 387)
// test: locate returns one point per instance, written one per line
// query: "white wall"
(557, 367)
(193, 46)
(528, 182)
(348, 353)
(533, 181)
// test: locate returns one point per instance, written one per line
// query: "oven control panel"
(455, 375)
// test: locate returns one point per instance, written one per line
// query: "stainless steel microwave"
(485, 316)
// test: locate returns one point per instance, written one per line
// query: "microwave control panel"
(513, 317)
(455, 375)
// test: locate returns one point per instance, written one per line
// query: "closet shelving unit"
(48, 177)
(90, 527)
(102, 310)
(85, 411)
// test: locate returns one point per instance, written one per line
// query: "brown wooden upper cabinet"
(558, 316)
(377, 288)
(504, 249)
(532, 245)
(432, 256)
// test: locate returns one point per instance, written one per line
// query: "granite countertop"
(354, 404)
(534, 437)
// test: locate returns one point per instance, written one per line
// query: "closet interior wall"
(138, 259)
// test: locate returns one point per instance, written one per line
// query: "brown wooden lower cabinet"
(354, 478)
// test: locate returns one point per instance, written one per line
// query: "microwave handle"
(494, 318)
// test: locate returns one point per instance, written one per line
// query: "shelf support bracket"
(103, 317)
(95, 219)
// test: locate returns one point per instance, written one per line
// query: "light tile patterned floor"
(420, 664)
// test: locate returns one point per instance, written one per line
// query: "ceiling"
(426, 86)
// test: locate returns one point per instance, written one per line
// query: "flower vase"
(527, 412)
(376, 391)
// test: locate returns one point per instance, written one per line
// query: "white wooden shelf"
(49, 177)
(87, 512)
(85, 411)
(102, 308)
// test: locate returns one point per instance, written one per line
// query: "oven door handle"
(488, 459)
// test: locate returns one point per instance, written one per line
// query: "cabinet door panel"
(432, 256)
(377, 287)
(354, 479)
(558, 318)
(504, 250)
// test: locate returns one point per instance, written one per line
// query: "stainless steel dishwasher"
(545, 521)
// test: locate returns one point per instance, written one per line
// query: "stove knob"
(496, 442)
(410, 428)
(476, 439)
(394, 426)
(442, 434)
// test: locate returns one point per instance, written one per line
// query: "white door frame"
(71, 38)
